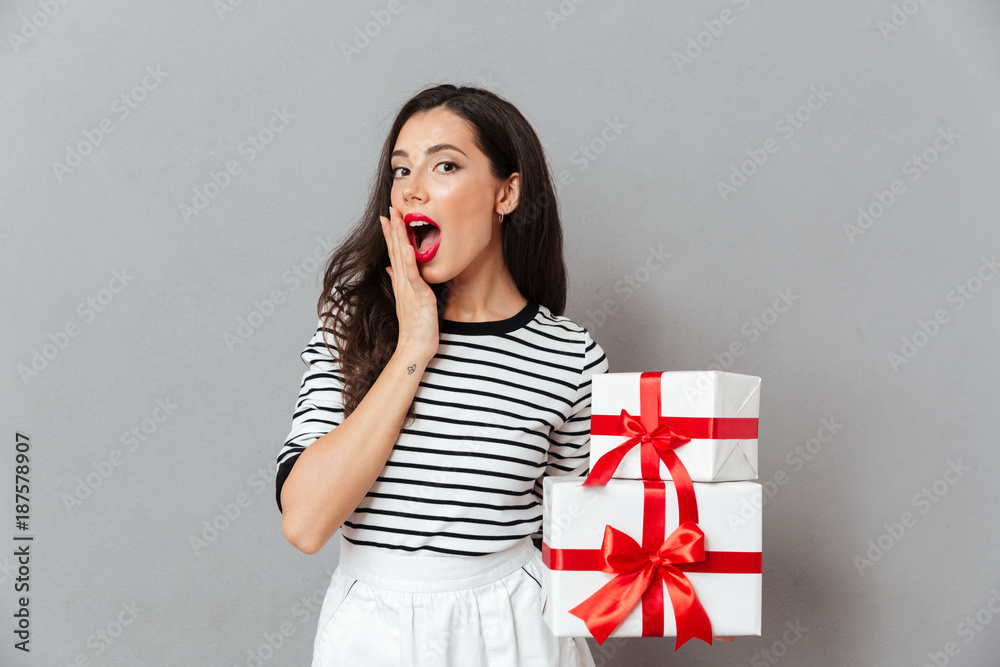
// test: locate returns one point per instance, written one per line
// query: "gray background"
(163, 336)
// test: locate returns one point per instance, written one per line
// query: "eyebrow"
(436, 148)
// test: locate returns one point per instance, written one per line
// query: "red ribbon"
(695, 428)
(657, 443)
(663, 432)
(682, 551)
(641, 574)
(658, 437)
(642, 571)
(716, 562)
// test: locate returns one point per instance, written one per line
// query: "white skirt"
(405, 610)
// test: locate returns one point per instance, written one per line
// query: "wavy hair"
(357, 303)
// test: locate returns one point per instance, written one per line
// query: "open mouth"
(424, 235)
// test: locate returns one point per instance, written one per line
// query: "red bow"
(641, 574)
(656, 444)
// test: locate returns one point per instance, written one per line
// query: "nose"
(413, 190)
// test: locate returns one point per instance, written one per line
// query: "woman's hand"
(722, 639)
(416, 304)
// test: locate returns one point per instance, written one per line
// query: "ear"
(509, 194)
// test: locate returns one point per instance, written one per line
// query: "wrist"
(409, 359)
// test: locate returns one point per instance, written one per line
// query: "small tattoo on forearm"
(410, 369)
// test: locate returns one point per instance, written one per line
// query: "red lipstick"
(425, 238)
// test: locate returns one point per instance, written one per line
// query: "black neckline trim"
(512, 323)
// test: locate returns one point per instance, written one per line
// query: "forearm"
(333, 474)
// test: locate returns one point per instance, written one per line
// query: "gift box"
(635, 558)
(707, 419)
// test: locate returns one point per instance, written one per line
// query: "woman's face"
(439, 172)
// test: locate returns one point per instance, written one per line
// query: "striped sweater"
(501, 405)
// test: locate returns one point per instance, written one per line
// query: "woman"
(447, 385)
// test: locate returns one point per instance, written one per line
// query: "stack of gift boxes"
(656, 541)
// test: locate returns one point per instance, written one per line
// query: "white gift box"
(693, 398)
(575, 516)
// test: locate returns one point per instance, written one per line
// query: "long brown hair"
(357, 302)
